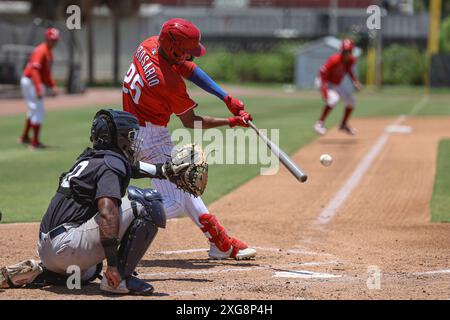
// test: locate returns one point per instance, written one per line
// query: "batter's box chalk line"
(304, 274)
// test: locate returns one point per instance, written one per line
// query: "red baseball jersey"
(39, 67)
(335, 69)
(153, 89)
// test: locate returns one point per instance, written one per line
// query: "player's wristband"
(111, 254)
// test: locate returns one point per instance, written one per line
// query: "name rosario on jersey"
(150, 72)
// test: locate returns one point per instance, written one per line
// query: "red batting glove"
(234, 105)
(241, 120)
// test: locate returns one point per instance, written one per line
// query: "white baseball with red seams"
(326, 160)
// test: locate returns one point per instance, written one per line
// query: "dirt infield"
(375, 198)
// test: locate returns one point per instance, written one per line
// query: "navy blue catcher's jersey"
(96, 174)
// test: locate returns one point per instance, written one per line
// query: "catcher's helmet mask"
(113, 129)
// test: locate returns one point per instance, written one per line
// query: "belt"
(56, 232)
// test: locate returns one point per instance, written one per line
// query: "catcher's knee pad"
(151, 200)
(217, 234)
(142, 230)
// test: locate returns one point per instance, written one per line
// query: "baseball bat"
(293, 168)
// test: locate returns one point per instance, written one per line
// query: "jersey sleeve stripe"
(179, 114)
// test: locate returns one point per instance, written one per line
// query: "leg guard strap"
(215, 232)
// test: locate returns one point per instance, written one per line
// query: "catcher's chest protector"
(112, 160)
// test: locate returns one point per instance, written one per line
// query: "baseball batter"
(329, 81)
(36, 76)
(153, 90)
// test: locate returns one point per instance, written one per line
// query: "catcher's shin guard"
(142, 230)
(217, 234)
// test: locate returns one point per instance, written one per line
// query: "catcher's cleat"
(347, 129)
(132, 285)
(19, 274)
(237, 251)
(319, 128)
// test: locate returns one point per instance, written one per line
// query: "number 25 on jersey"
(133, 83)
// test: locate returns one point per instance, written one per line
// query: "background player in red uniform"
(330, 83)
(153, 90)
(36, 75)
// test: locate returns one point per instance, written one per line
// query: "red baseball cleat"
(237, 251)
(223, 246)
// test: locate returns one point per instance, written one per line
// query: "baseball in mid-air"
(326, 160)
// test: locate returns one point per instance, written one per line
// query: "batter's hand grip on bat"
(298, 173)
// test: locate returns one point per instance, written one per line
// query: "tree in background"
(444, 38)
(423, 5)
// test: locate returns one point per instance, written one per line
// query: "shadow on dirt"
(91, 290)
(151, 280)
(337, 141)
(193, 264)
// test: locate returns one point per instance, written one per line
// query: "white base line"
(242, 269)
(197, 272)
(292, 251)
(431, 272)
(330, 210)
(419, 105)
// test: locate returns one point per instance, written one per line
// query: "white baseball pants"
(336, 93)
(156, 148)
(35, 105)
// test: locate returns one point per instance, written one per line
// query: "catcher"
(89, 219)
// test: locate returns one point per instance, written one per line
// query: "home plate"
(304, 274)
(398, 129)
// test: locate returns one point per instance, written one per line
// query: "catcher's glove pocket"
(188, 169)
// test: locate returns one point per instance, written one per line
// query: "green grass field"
(440, 201)
(29, 179)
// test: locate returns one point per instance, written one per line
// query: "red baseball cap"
(52, 34)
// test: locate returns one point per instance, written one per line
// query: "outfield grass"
(440, 200)
(29, 179)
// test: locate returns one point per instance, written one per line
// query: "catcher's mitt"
(188, 169)
(20, 274)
